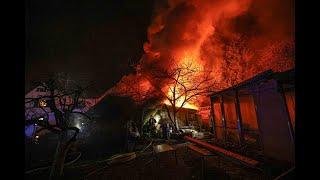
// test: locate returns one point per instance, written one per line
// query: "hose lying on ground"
(119, 158)
(147, 147)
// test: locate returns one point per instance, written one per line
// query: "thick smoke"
(227, 35)
(235, 39)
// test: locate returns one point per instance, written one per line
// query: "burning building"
(197, 49)
(217, 44)
(185, 117)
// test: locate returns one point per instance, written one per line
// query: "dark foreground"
(145, 167)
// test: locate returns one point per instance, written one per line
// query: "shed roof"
(286, 77)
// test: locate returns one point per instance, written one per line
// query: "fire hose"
(118, 158)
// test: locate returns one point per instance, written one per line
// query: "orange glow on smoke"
(217, 35)
(233, 40)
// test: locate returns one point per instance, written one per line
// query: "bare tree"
(175, 86)
(61, 99)
(179, 85)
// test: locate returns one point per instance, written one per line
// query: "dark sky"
(92, 40)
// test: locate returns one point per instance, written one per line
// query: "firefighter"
(165, 130)
(152, 126)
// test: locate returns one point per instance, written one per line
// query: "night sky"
(92, 40)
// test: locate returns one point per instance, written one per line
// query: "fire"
(231, 38)
(179, 101)
(191, 57)
(187, 58)
(234, 40)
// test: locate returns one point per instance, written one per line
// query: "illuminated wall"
(248, 113)
(204, 113)
(187, 117)
(290, 100)
(231, 118)
(265, 118)
(218, 119)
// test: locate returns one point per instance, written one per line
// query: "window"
(42, 103)
(41, 89)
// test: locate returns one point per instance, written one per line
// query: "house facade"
(38, 108)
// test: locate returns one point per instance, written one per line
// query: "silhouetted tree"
(61, 98)
(180, 85)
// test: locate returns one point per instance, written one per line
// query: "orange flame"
(233, 39)
(179, 101)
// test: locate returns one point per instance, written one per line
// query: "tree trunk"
(168, 112)
(176, 120)
(59, 158)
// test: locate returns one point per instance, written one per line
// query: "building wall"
(188, 117)
(248, 112)
(205, 113)
(266, 114)
(291, 102)
(218, 119)
(231, 118)
(273, 118)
